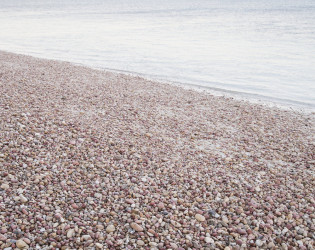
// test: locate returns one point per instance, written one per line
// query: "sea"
(260, 50)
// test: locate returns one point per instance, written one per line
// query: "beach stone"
(70, 233)
(173, 246)
(99, 246)
(110, 228)
(259, 243)
(23, 198)
(99, 227)
(98, 195)
(209, 240)
(27, 241)
(198, 199)
(239, 242)
(153, 244)
(21, 244)
(200, 217)
(86, 237)
(140, 242)
(241, 231)
(5, 186)
(161, 205)
(213, 213)
(136, 227)
(130, 201)
(3, 237)
(225, 219)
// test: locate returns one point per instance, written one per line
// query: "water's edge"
(288, 105)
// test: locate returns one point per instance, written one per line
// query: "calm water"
(261, 49)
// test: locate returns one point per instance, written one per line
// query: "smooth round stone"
(225, 219)
(2, 237)
(98, 195)
(198, 199)
(136, 227)
(160, 205)
(86, 237)
(200, 217)
(259, 243)
(23, 198)
(140, 242)
(241, 231)
(5, 186)
(110, 228)
(21, 244)
(153, 244)
(239, 242)
(209, 240)
(130, 201)
(173, 246)
(70, 233)
(99, 245)
(27, 241)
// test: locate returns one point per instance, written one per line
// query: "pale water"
(261, 49)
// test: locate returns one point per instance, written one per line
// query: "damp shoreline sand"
(90, 158)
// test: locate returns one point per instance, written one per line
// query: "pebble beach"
(91, 159)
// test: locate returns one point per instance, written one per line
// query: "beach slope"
(98, 159)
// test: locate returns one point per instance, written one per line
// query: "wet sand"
(94, 159)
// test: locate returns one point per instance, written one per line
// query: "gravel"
(93, 159)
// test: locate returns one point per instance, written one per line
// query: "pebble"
(129, 201)
(173, 246)
(5, 186)
(21, 244)
(98, 195)
(241, 231)
(200, 217)
(110, 228)
(153, 244)
(23, 198)
(86, 237)
(259, 243)
(239, 242)
(99, 246)
(225, 219)
(70, 233)
(140, 243)
(136, 227)
(209, 240)
(3, 237)
(161, 205)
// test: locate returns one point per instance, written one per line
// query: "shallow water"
(261, 49)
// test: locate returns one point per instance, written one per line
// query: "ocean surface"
(257, 49)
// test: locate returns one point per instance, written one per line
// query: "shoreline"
(284, 104)
(251, 98)
(91, 158)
